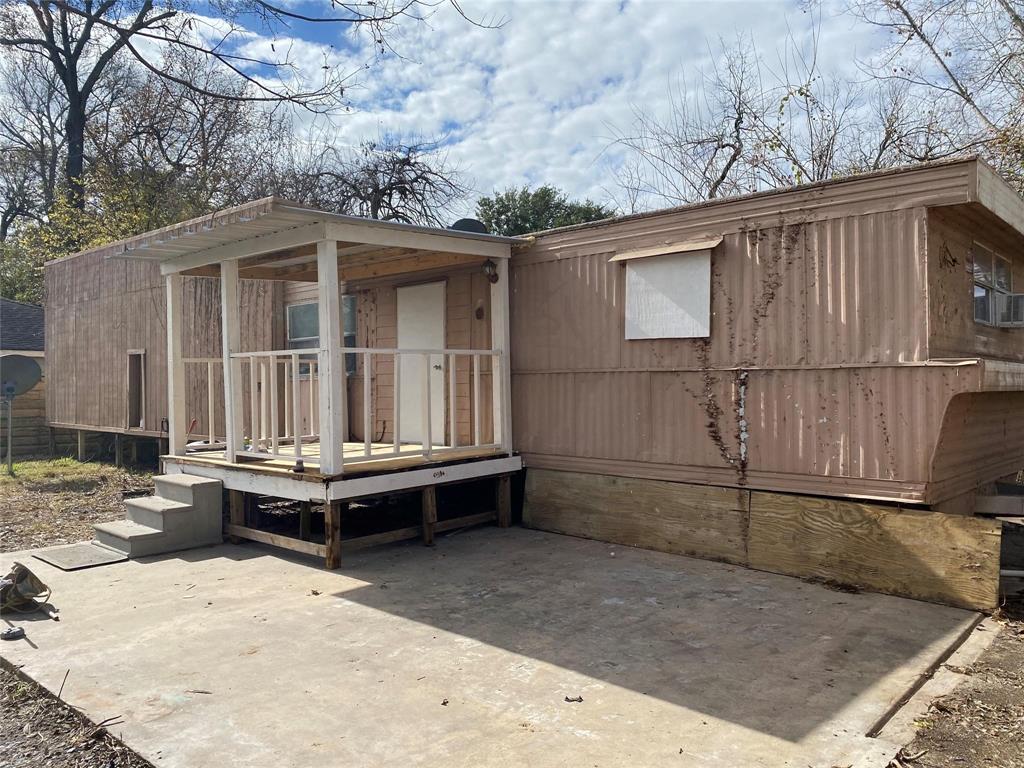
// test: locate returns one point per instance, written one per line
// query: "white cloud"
(532, 102)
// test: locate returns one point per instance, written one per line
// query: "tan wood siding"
(97, 309)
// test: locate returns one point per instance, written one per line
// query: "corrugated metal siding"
(842, 291)
(951, 235)
(982, 438)
(820, 297)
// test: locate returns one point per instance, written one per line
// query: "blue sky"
(539, 99)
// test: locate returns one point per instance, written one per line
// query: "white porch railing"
(284, 391)
(212, 366)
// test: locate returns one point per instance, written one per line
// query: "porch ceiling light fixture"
(491, 270)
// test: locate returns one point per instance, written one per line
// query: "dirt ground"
(48, 503)
(981, 724)
(57, 502)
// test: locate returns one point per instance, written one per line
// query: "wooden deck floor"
(384, 459)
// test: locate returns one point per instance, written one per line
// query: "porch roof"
(276, 239)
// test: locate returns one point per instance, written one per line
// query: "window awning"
(669, 248)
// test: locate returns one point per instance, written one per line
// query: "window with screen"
(993, 288)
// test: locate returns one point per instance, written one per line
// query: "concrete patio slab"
(465, 655)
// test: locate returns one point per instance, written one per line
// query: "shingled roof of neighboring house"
(21, 326)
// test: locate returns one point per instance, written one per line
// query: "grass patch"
(48, 470)
(57, 501)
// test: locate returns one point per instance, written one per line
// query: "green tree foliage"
(519, 211)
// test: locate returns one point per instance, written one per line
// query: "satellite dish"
(18, 374)
(470, 225)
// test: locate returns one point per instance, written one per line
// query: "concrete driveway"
(465, 655)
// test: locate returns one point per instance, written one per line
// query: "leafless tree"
(967, 58)
(749, 125)
(80, 39)
(409, 180)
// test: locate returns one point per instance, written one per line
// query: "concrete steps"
(184, 513)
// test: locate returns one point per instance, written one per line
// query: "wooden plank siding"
(97, 309)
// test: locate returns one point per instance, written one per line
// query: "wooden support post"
(332, 533)
(81, 445)
(231, 342)
(133, 451)
(118, 450)
(51, 442)
(501, 376)
(333, 399)
(429, 514)
(305, 514)
(177, 418)
(236, 511)
(503, 500)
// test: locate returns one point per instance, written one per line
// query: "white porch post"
(176, 419)
(231, 337)
(501, 367)
(333, 387)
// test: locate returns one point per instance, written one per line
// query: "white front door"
(421, 326)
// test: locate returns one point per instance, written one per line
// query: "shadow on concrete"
(767, 652)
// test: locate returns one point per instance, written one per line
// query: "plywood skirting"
(932, 556)
(942, 558)
(700, 520)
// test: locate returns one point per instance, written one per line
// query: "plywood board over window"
(668, 291)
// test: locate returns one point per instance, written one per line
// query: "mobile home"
(812, 381)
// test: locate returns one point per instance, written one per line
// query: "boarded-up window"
(136, 390)
(668, 296)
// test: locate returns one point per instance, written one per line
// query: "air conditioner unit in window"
(1010, 310)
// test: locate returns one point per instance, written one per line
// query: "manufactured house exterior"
(810, 381)
(842, 355)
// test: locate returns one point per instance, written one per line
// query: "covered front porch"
(393, 377)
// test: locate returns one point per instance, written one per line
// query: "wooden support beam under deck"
(503, 500)
(332, 533)
(429, 514)
(236, 511)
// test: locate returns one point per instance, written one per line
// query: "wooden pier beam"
(118, 450)
(429, 514)
(236, 511)
(305, 516)
(332, 533)
(81, 445)
(503, 500)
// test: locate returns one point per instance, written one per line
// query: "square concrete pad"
(464, 655)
